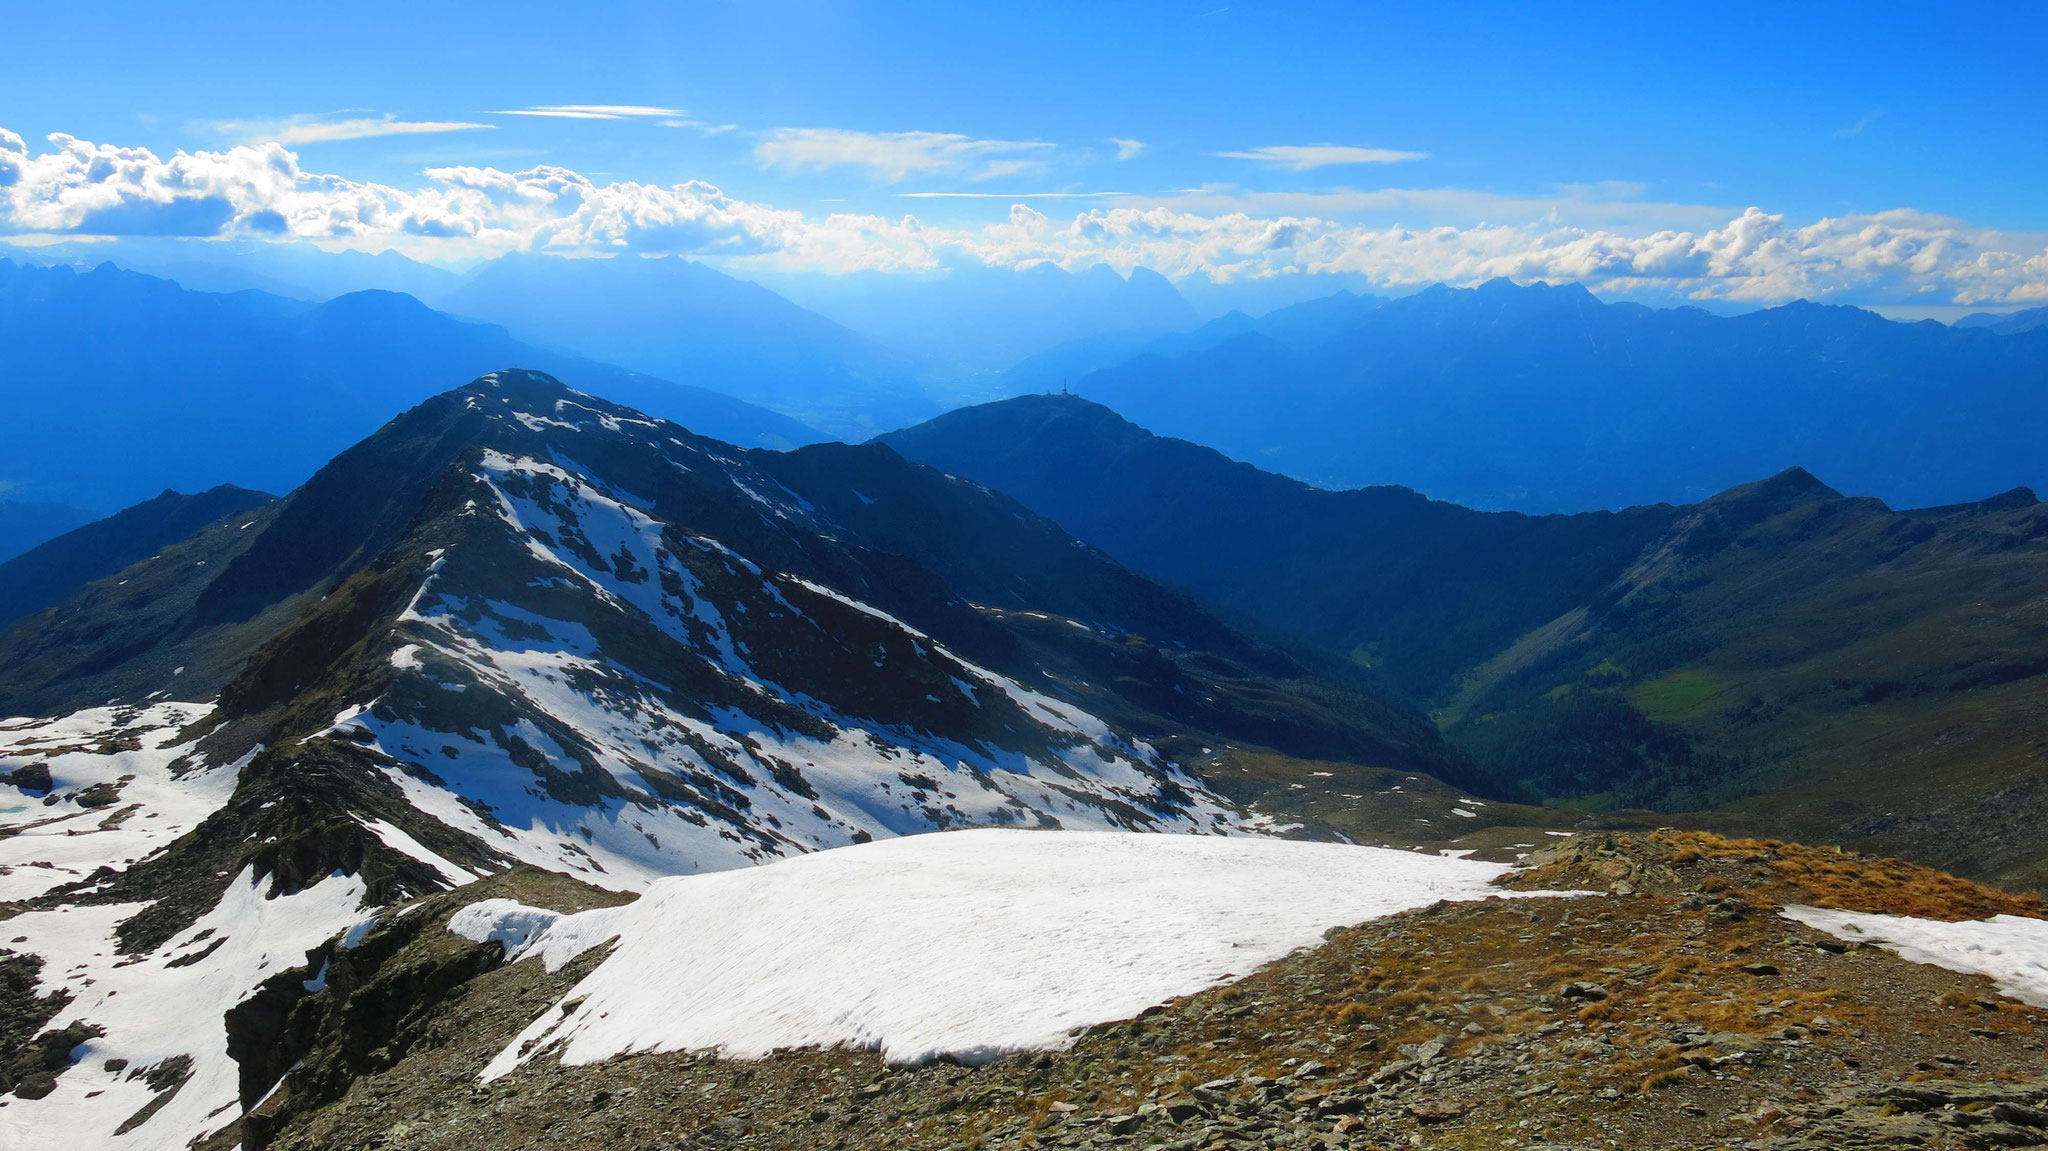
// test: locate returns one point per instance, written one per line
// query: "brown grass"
(1770, 870)
(1660, 1079)
(1858, 883)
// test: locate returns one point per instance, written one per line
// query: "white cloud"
(1755, 256)
(1306, 157)
(1607, 204)
(1006, 195)
(318, 129)
(81, 189)
(261, 190)
(1862, 122)
(893, 156)
(997, 169)
(666, 117)
(1127, 148)
(593, 112)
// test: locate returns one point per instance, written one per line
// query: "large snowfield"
(2011, 950)
(967, 944)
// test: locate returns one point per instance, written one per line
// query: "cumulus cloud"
(893, 156)
(261, 190)
(1306, 157)
(1757, 256)
(1127, 148)
(76, 188)
(319, 129)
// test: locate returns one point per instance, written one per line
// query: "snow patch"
(396, 839)
(160, 1006)
(2010, 949)
(44, 845)
(507, 922)
(968, 944)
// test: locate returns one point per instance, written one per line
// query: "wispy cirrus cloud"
(318, 129)
(1611, 203)
(666, 117)
(894, 156)
(593, 112)
(1307, 157)
(997, 169)
(1007, 195)
(1127, 148)
(1862, 122)
(78, 188)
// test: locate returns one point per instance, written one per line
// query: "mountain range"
(520, 627)
(1544, 398)
(1813, 663)
(296, 271)
(682, 320)
(45, 574)
(533, 743)
(1301, 326)
(24, 524)
(515, 579)
(2006, 323)
(972, 322)
(1500, 397)
(128, 384)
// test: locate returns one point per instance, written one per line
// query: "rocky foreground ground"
(1671, 1008)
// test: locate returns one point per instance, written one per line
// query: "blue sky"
(1616, 120)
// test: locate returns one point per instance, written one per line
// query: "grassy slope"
(1779, 640)
(1832, 669)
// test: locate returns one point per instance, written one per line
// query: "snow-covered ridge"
(730, 709)
(967, 944)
